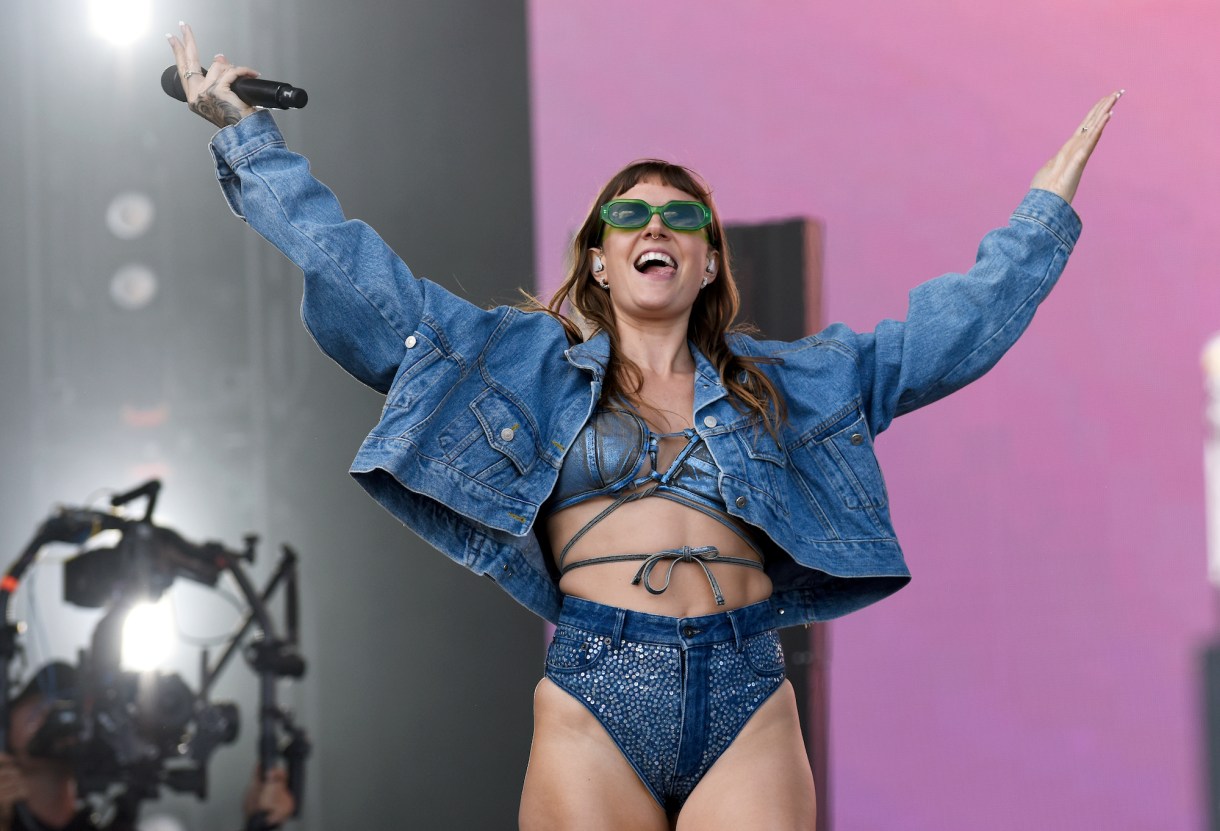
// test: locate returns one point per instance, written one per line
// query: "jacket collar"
(593, 355)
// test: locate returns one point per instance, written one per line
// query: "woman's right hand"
(210, 96)
(270, 796)
(12, 789)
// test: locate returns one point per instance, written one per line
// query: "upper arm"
(361, 301)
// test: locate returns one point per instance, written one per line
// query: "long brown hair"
(711, 319)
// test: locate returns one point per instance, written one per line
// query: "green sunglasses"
(636, 213)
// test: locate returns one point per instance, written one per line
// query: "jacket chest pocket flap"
(764, 464)
(506, 428)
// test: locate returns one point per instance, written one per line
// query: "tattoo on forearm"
(221, 113)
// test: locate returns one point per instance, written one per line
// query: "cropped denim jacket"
(482, 404)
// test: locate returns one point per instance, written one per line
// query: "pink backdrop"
(1040, 671)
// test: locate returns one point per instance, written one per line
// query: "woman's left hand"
(1061, 174)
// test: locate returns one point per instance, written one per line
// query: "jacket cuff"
(237, 141)
(1052, 211)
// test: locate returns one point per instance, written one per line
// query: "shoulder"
(835, 338)
(532, 331)
(471, 329)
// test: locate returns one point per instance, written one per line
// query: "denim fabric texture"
(483, 404)
(672, 693)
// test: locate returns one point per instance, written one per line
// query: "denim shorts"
(672, 693)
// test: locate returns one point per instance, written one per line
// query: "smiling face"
(653, 273)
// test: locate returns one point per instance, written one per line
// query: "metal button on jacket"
(507, 434)
(410, 341)
(710, 421)
(856, 438)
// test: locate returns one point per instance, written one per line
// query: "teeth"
(655, 256)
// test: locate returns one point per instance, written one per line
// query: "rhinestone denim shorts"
(672, 693)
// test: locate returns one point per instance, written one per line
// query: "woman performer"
(668, 491)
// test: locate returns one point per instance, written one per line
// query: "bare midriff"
(645, 527)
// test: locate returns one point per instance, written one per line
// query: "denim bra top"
(615, 455)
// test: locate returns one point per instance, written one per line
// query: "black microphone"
(254, 91)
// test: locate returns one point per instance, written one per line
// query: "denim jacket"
(482, 404)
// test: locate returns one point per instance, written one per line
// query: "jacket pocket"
(752, 462)
(849, 460)
(507, 428)
(838, 470)
(491, 440)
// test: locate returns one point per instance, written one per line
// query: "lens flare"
(148, 636)
(120, 21)
(133, 286)
(129, 215)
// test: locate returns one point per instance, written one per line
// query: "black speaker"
(1211, 720)
(778, 270)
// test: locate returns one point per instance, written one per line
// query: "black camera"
(138, 730)
(127, 733)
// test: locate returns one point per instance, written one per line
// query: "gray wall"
(420, 674)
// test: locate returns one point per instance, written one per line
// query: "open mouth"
(656, 264)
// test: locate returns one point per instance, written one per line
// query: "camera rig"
(129, 733)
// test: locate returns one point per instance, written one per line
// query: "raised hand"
(270, 796)
(210, 96)
(1061, 174)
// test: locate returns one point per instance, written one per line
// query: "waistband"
(641, 627)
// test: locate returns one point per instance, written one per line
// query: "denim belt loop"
(620, 618)
(736, 630)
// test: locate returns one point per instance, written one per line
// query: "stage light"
(133, 286)
(120, 21)
(130, 215)
(148, 636)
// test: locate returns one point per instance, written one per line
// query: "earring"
(703, 285)
(598, 265)
(711, 267)
(604, 284)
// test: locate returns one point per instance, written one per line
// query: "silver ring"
(1084, 129)
(189, 73)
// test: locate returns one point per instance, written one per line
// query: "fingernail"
(181, 23)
